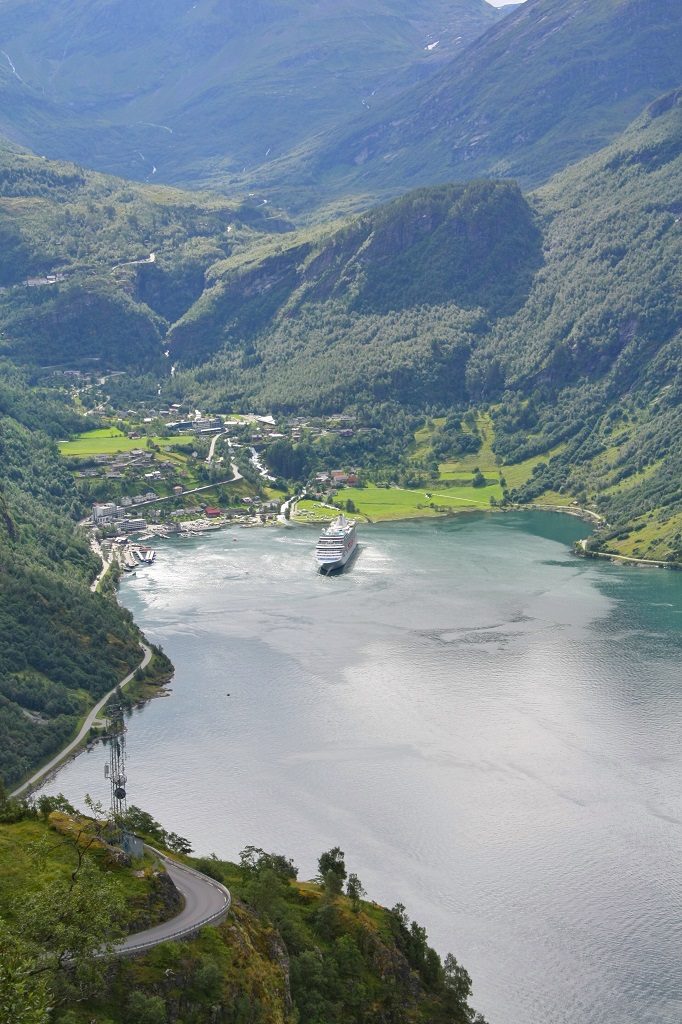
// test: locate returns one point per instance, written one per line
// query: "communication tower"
(115, 771)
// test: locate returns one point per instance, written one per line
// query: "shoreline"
(570, 510)
(612, 556)
(76, 744)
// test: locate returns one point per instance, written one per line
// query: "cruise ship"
(337, 544)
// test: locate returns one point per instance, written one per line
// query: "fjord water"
(488, 726)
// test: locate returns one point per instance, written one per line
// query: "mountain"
(184, 91)
(473, 246)
(557, 312)
(551, 82)
(61, 647)
(94, 269)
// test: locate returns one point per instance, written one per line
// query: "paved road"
(211, 450)
(106, 564)
(206, 902)
(194, 490)
(35, 779)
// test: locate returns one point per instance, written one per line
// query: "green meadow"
(514, 474)
(382, 504)
(308, 511)
(111, 441)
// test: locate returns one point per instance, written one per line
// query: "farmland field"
(111, 441)
(380, 504)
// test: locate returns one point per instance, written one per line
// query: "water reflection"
(488, 727)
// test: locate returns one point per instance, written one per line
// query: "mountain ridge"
(586, 359)
(542, 88)
(172, 91)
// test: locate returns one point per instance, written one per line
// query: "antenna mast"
(117, 765)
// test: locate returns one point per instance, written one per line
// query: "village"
(157, 472)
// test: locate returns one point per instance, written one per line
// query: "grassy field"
(111, 441)
(463, 468)
(650, 537)
(423, 436)
(308, 511)
(382, 504)
(33, 852)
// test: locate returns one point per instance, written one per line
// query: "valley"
(262, 263)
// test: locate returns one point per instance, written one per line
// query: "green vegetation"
(65, 896)
(232, 85)
(486, 347)
(395, 301)
(381, 504)
(311, 511)
(551, 318)
(551, 83)
(111, 441)
(79, 287)
(289, 952)
(61, 647)
(569, 369)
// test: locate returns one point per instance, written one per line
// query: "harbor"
(132, 556)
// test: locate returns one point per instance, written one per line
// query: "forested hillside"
(557, 311)
(473, 245)
(560, 311)
(289, 952)
(78, 282)
(60, 645)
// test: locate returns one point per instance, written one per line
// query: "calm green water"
(488, 726)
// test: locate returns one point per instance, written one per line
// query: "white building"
(105, 512)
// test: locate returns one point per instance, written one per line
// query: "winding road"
(206, 901)
(85, 729)
(233, 465)
(211, 450)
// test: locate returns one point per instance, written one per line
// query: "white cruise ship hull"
(329, 565)
(337, 545)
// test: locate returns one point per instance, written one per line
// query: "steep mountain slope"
(549, 84)
(176, 90)
(474, 246)
(60, 645)
(560, 312)
(78, 281)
